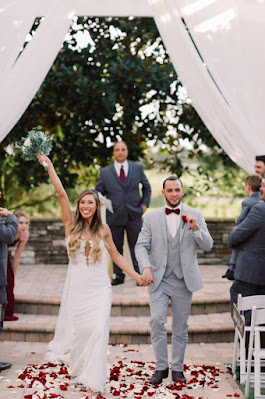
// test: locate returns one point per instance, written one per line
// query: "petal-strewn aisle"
(130, 370)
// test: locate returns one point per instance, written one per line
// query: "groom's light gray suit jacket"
(151, 247)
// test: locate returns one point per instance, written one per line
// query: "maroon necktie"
(122, 174)
(168, 211)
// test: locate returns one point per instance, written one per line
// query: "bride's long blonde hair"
(78, 228)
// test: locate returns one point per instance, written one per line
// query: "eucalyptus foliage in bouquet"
(36, 142)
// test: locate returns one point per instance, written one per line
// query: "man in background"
(252, 188)
(120, 182)
(8, 230)
(249, 238)
(260, 165)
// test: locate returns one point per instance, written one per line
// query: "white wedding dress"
(82, 328)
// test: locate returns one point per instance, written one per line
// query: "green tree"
(95, 95)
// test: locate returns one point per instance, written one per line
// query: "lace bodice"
(80, 259)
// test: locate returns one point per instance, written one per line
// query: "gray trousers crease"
(174, 290)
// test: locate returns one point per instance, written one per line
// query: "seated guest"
(20, 241)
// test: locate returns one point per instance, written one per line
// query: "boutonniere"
(184, 219)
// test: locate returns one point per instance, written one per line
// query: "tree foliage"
(121, 85)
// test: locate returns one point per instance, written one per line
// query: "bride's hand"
(43, 159)
(139, 280)
(142, 282)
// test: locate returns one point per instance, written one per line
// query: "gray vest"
(173, 255)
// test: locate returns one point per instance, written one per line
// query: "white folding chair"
(243, 304)
(257, 326)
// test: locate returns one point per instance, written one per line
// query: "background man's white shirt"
(118, 166)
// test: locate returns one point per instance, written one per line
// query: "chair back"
(247, 302)
(257, 319)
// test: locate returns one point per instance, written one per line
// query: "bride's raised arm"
(67, 215)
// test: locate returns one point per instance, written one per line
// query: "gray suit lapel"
(163, 223)
(129, 175)
(182, 225)
(113, 171)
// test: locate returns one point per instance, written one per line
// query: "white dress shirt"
(118, 166)
(173, 220)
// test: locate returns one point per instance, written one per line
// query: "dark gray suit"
(247, 204)
(127, 205)
(249, 239)
(8, 230)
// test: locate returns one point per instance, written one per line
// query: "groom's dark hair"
(172, 178)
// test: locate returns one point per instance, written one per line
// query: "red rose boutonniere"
(184, 218)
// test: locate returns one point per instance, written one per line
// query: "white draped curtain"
(216, 47)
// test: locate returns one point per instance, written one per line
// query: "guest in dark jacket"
(8, 230)
(252, 188)
(249, 238)
(19, 243)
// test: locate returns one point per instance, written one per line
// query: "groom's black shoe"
(178, 376)
(117, 281)
(4, 366)
(158, 376)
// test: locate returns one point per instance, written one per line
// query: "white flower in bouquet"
(36, 142)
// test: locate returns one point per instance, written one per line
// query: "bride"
(82, 329)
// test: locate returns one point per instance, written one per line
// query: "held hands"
(147, 277)
(144, 281)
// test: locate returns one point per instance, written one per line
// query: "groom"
(171, 235)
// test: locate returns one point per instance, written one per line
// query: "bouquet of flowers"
(36, 142)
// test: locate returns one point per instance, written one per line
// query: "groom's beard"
(173, 205)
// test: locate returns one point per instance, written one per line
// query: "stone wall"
(47, 244)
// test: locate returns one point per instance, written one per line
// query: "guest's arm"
(146, 191)
(8, 228)
(100, 184)
(245, 229)
(245, 208)
(23, 239)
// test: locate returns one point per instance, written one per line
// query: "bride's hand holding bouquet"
(36, 142)
(44, 160)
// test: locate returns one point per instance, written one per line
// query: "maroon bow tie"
(168, 211)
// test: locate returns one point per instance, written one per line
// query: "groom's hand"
(148, 276)
(192, 222)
